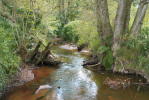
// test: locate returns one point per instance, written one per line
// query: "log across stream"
(70, 81)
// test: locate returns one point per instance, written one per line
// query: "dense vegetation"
(9, 60)
(25, 22)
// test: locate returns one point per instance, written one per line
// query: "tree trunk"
(104, 31)
(104, 27)
(104, 13)
(68, 11)
(63, 12)
(99, 24)
(127, 16)
(136, 27)
(121, 23)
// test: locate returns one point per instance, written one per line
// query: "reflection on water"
(70, 81)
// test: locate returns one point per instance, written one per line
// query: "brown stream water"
(70, 81)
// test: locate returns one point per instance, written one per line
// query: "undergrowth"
(134, 53)
(9, 61)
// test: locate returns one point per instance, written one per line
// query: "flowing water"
(70, 81)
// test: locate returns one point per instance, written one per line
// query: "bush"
(69, 32)
(9, 61)
(134, 53)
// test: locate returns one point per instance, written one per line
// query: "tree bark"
(127, 15)
(103, 25)
(63, 12)
(121, 23)
(136, 27)
(99, 24)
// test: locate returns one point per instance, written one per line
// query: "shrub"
(69, 32)
(134, 53)
(9, 61)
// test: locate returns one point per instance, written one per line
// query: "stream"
(70, 81)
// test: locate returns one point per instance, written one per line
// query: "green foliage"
(9, 61)
(103, 49)
(76, 22)
(107, 54)
(108, 60)
(69, 32)
(134, 52)
(87, 30)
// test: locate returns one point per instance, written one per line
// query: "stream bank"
(23, 75)
(70, 81)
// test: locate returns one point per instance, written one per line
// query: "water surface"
(70, 81)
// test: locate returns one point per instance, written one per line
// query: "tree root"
(93, 65)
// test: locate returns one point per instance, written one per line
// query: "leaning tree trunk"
(121, 23)
(136, 27)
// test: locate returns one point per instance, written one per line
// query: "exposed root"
(93, 65)
(94, 60)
